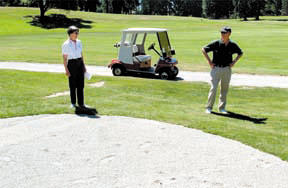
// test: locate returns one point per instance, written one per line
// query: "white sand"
(237, 79)
(68, 151)
(65, 93)
(97, 84)
(59, 94)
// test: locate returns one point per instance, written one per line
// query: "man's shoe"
(208, 111)
(223, 111)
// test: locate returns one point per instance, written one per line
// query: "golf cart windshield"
(164, 43)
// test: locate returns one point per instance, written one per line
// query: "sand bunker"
(73, 151)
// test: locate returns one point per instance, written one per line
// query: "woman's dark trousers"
(76, 80)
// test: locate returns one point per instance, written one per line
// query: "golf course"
(259, 114)
(263, 42)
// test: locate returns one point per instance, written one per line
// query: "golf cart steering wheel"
(151, 46)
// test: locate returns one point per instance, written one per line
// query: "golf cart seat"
(142, 58)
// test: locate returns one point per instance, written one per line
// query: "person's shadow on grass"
(53, 21)
(89, 116)
(87, 112)
(242, 117)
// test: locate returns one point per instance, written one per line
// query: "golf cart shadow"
(150, 76)
(53, 21)
(242, 117)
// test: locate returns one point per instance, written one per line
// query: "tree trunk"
(257, 17)
(42, 13)
(42, 9)
(107, 6)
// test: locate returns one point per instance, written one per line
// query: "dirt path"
(109, 151)
(237, 79)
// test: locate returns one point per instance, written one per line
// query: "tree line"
(215, 9)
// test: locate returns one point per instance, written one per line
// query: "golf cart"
(133, 58)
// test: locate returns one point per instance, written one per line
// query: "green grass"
(22, 93)
(263, 42)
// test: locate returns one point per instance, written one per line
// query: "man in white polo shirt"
(74, 66)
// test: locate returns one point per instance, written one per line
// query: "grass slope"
(263, 42)
(22, 93)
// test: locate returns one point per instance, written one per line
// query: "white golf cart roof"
(129, 44)
(144, 30)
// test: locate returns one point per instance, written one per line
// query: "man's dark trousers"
(76, 80)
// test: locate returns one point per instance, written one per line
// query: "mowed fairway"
(180, 103)
(263, 42)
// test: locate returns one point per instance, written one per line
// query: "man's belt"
(222, 66)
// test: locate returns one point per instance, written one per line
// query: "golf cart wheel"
(117, 71)
(175, 72)
(165, 74)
